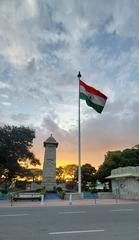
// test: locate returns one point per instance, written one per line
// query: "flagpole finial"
(79, 75)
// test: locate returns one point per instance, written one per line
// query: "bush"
(94, 190)
(62, 195)
(4, 191)
(43, 190)
(59, 189)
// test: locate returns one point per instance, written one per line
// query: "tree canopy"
(69, 173)
(115, 159)
(66, 173)
(59, 174)
(88, 174)
(15, 151)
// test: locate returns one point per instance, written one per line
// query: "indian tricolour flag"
(93, 97)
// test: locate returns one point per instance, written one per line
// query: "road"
(109, 222)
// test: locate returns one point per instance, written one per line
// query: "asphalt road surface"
(109, 222)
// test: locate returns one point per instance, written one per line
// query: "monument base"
(49, 186)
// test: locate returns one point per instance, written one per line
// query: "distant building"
(125, 182)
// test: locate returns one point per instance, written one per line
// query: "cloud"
(116, 129)
(43, 46)
(4, 85)
(4, 96)
(125, 19)
(16, 39)
(6, 103)
(66, 152)
(20, 118)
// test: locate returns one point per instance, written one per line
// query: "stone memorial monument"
(49, 166)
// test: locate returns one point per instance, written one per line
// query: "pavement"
(52, 203)
(105, 220)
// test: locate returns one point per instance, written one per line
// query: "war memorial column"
(49, 166)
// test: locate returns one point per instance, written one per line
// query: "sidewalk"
(52, 203)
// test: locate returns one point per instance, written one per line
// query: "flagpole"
(79, 141)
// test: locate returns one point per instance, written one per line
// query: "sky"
(43, 46)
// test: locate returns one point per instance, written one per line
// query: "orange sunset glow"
(64, 158)
(93, 156)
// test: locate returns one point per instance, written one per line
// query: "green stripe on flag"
(98, 108)
(83, 96)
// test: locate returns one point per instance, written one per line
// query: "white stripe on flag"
(94, 98)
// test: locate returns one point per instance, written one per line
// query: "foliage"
(15, 145)
(69, 173)
(115, 159)
(66, 173)
(59, 189)
(43, 190)
(60, 192)
(94, 190)
(59, 174)
(62, 195)
(87, 174)
(35, 174)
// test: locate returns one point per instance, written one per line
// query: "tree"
(115, 159)
(34, 174)
(66, 173)
(15, 151)
(59, 174)
(70, 172)
(87, 174)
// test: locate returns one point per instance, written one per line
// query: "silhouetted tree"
(15, 151)
(59, 174)
(115, 159)
(88, 174)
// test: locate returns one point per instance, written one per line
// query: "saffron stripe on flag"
(92, 90)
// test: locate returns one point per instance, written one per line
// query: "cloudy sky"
(43, 45)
